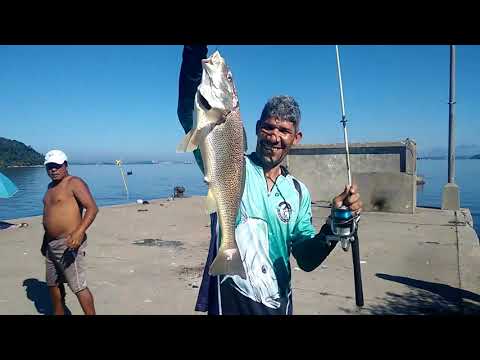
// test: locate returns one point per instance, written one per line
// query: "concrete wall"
(386, 168)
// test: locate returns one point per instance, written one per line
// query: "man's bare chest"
(58, 195)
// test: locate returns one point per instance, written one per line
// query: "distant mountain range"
(461, 152)
(16, 153)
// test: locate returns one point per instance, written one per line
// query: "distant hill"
(16, 153)
(461, 157)
(461, 151)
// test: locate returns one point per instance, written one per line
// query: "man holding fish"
(260, 214)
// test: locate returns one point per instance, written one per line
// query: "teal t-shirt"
(268, 224)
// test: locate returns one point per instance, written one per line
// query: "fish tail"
(227, 262)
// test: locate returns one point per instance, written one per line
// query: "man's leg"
(55, 285)
(57, 300)
(85, 298)
(75, 273)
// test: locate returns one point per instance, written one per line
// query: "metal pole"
(451, 119)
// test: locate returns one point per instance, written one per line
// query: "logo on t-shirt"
(284, 211)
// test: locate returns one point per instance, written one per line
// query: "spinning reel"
(344, 225)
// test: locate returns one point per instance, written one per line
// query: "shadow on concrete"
(5, 225)
(37, 292)
(429, 207)
(424, 298)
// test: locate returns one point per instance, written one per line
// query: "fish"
(219, 134)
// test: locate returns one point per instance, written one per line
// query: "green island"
(15, 153)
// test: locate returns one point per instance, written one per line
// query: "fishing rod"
(343, 223)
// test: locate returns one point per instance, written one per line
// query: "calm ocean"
(156, 181)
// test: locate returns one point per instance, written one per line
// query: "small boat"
(129, 172)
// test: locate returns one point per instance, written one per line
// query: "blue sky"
(108, 102)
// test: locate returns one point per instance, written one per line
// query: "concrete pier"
(148, 259)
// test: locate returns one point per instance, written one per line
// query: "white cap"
(55, 156)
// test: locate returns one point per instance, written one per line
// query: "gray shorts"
(66, 265)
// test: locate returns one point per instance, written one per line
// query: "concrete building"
(384, 171)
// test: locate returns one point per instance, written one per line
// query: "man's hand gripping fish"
(219, 134)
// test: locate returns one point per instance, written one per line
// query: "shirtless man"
(64, 242)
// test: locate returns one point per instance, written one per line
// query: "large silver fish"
(218, 133)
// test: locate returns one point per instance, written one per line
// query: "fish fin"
(190, 142)
(245, 145)
(211, 203)
(228, 262)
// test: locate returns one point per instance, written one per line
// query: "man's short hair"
(282, 107)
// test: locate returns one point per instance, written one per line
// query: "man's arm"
(190, 78)
(310, 253)
(84, 197)
(309, 248)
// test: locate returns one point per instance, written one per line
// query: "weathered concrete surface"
(451, 197)
(468, 255)
(387, 191)
(323, 167)
(412, 264)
